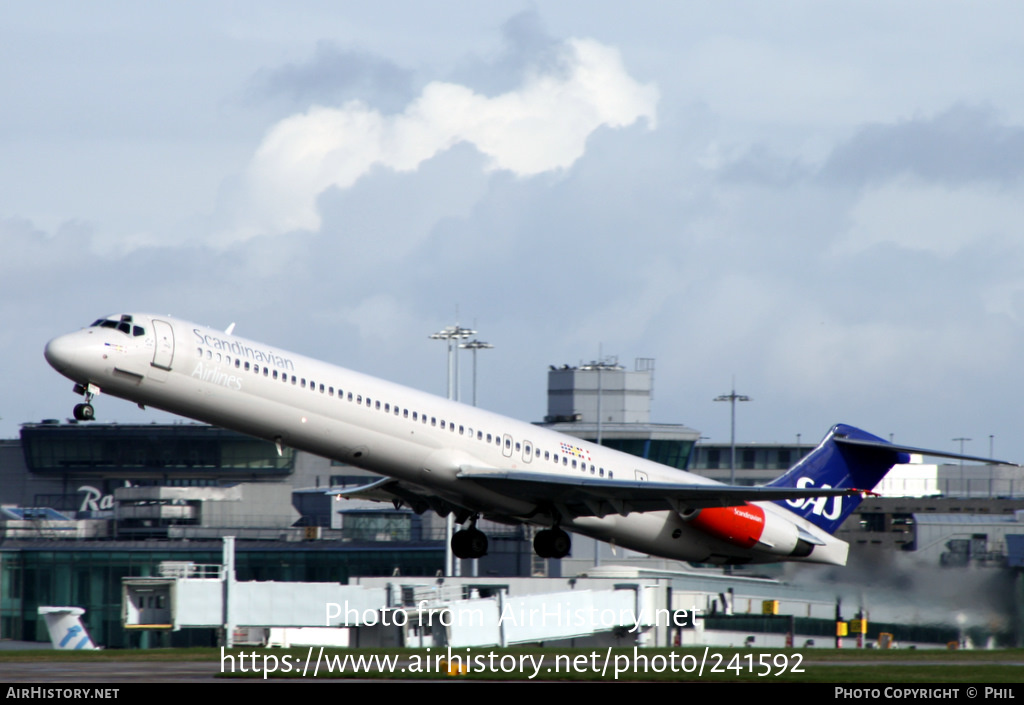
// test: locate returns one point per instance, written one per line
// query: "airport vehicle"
(437, 454)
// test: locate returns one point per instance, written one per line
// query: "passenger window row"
(387, 408)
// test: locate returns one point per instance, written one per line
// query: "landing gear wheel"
(85, 412)
(552, 543)
(477, 541)
(469, 543)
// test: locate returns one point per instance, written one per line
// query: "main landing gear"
(552, 543)
(85, 412)
(548, 543)
(469, 543)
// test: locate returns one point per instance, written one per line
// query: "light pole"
(475, 345)
(446, 334)
(962, 480)
(732, 397)
(450, 334)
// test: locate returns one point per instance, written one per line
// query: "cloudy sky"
(820, 199)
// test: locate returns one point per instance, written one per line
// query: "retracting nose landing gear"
(469, 543)
(85, 412)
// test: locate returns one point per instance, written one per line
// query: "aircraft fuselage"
(422, 440)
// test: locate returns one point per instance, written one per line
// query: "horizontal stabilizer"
(920, 451)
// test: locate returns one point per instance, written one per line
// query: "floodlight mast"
(451, 335)
(963, 485)
(475, 345)
(732, 397)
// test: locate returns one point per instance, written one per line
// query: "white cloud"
(543, 126)
(863, 363)
(933, 218)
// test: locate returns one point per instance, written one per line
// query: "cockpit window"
(124, 325)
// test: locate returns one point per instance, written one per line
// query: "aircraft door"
(527, 451)
(641, 476)
(163, 355)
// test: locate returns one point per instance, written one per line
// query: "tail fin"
(65, 627)
(847, 458)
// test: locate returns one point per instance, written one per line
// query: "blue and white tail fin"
(847, 458)
(66, 629)
(839, 465)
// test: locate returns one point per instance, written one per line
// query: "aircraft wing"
(588, 496)
(387, 489)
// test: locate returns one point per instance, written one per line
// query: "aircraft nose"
(60, 352)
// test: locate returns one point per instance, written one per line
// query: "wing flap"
(387, 489)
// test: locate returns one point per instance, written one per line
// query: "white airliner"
(452, 458)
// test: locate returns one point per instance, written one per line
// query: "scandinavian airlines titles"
(264, 357)
(209, 373)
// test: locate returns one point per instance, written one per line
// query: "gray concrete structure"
(960, 540)
(577, 393)
(204, 512)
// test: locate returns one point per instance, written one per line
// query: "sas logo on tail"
(818, 509)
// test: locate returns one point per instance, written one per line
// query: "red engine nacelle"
(749, 526)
